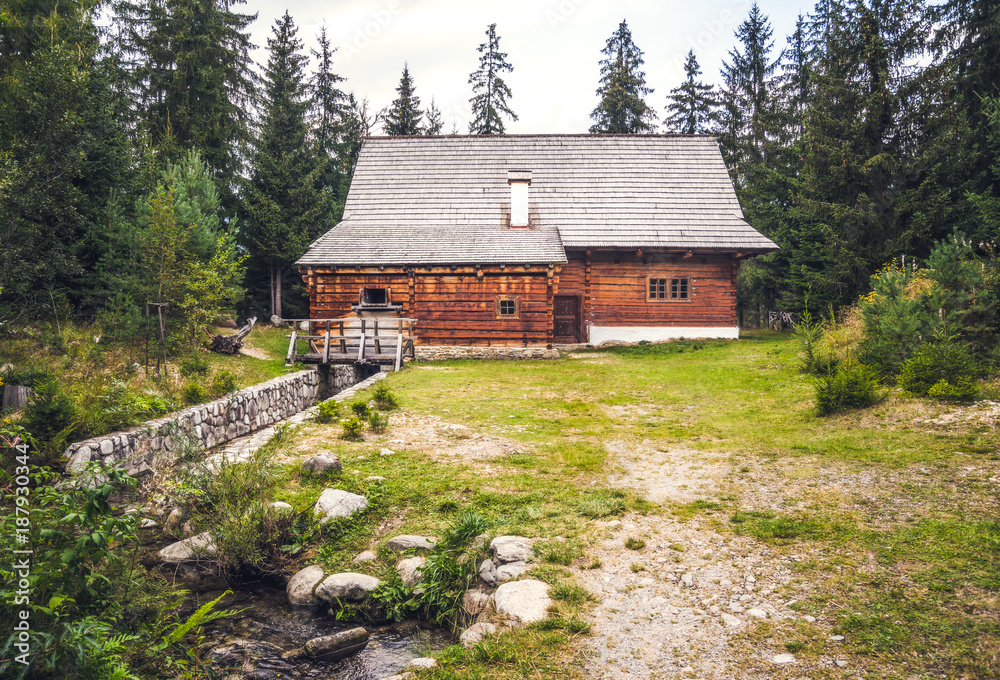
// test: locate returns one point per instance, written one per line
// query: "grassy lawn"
(903, 558)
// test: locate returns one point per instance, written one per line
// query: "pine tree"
(435, 121)
(192, 78)
(286, 206)
(404, 114)
(489, 91)
(692, 105)
(622, 108)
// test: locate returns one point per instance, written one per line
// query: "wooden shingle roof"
(446, 199)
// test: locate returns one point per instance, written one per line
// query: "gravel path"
(670, 609)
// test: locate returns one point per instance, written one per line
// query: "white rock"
(423, 662)
(736, 608)
(512, 549)
(757, 613)
(366, 556)
(688, 580)
(386, 452)
(837, 638)
(322, 463)
(524, 601)
(511, 571)
(409, 570)
(346, 586)
(334, 503)
(488, 572)
(809, 619)
(614, 524)
(783, 659)
(195, 548)
(475, 633)
(840, 663)
(405, 542)
(731, 620)
(281, 507)
(300, 587)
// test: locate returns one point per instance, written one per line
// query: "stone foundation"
(441, 352)
(143, 449)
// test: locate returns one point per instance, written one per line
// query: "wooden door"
(566, 318)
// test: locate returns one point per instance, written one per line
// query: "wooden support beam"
(399, 351)
(291, 349)
(361, 348)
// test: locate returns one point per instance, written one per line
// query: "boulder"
(190, 549)
(473, 634)
(346, 586)
(337, 646)
(474, 602)
(409, 570)
(366, 556)
(322, 463)
(512, 549)
(280, 508)
(488, 572)
(404, 543)
(510, 571)
(301, 586)
(523, 601)
(334, 503)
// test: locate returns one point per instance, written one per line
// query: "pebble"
(809, 619)
(614, 524)
(783, 659)
(423, 662)
(757, 613)
(837, 638)
(840, 663)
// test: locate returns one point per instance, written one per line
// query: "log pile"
(230, 344)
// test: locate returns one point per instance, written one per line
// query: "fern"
(203, 615)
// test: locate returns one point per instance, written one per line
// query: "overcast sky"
(553, 45)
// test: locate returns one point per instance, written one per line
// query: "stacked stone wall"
(157, 442)
(442, 352)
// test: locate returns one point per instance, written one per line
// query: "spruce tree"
(192, 77)
(692, 105)
(404, 114)
(286, 206)
(435, 121)
(622, 108)
(489, 91)
(748, 104)
(329, 122)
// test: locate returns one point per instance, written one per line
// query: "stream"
(250, 644)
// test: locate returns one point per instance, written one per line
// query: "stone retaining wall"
(248, 410)
(441, 352)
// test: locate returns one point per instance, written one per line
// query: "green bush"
(360, 409)
(384, 398)
(224, 382)
(851, 386)
(327, 411)
(936, 362)
(378, 422)
(196, 365)
(353, 428)
(193, 393)
(963, 390)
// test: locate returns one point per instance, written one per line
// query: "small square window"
(507, 308)
(670, 289)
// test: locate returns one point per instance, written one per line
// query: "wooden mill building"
(530, 240)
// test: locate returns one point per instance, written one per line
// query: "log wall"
(452, 306)
(613, 285)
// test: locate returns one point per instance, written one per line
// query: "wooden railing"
(341, 341)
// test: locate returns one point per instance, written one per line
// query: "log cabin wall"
(613, 285)
(452, 306)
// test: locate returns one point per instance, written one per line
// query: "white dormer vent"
(519, 181)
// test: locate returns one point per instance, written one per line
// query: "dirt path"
(669, 609)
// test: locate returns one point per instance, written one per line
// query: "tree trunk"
(277, 291)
